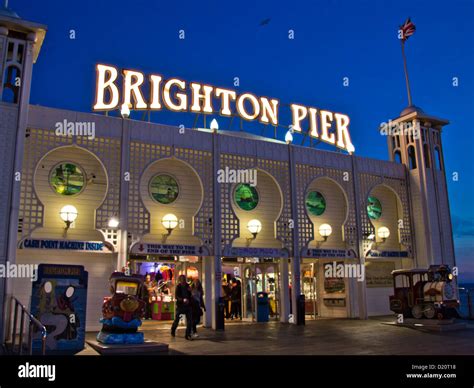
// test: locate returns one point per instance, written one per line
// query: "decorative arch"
(346, 203)
(399, 187)
(40, 142)
(141, 156)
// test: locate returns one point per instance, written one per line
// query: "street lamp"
(383, 233)
(68, 214)
(254, 227)
(214, 125)
(113, 223)
(289, 137)
(169, 222)
(325, 230)
(125, 111)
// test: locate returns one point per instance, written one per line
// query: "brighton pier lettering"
(180, 96)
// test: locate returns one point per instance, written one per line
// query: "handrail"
(32, 323)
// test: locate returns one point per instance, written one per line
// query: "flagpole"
(406, 73)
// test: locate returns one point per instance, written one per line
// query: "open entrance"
(326, 295)
(246, 282)
(309, 283)
(161, 273)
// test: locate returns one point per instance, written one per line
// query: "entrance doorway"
(254, 277)
(309, 289)
(164, 272)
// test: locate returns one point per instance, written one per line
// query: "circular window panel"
(374, 208)
(163, 189)
(67, 179)
(315, 203)
(246, 196)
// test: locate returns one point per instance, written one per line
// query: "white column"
(217, 287)
(296, 259)
(284, 294)
(124, 187)
(16, 184)
(217, 235)
(207, 284)
(361, 286)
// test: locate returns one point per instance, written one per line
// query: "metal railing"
(32, 323)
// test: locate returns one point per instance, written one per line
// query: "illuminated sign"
(177, 95)
(92, 246)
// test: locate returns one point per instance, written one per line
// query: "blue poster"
(59, 302)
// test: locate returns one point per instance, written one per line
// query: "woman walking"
(198, 306)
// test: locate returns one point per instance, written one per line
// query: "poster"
(379, 274)
(59, 302)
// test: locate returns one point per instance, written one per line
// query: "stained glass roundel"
(67, 179)
(163, 189)
(246, 196)
(315, 203)
(374, 208)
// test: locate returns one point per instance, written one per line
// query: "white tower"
(418, 146)
(20, 43)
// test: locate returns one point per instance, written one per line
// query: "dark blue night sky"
(333, 39)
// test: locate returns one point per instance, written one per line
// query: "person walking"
(236, 310)
(198, 306)
(226, 295)
(147, 295)
(183, 306)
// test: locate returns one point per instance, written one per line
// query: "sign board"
(379, 274)
(59, 302)
(255, 252)
(395, 254)
(137, 91)
(169, 249)
(329, 253)
(70, 245)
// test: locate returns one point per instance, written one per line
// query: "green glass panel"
(164, 189)
(67, 179)
(315, 203)
(374, 208)
(246, 196)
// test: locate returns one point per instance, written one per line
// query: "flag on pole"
(407, 29)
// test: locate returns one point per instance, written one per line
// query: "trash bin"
(220, 309)
(300, 317)
(263, 307)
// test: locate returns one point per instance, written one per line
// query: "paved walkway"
(322, 336)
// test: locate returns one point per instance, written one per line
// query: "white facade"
(125, 154)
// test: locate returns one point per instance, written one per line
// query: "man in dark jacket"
(183, 306)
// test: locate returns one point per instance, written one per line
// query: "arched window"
(411, 158)
(11, 85)
(426, 155)
(397, 157)
(438, 158)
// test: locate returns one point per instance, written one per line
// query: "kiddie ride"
(430, 293)
(122, 312)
